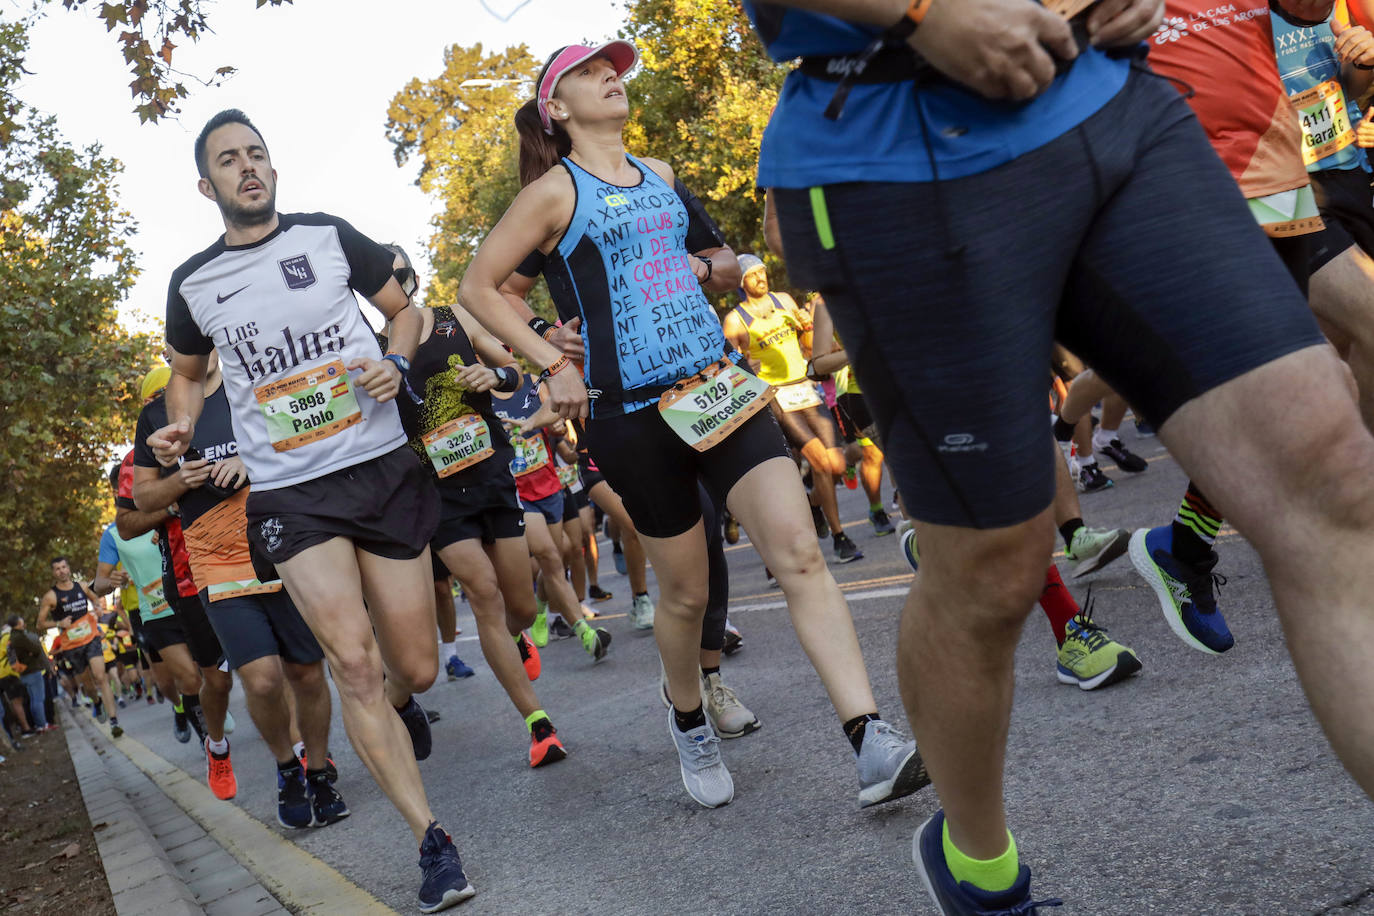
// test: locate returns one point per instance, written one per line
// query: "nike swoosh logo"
(223, 299)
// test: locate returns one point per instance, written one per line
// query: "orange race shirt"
(85, 629)
(1225, 52)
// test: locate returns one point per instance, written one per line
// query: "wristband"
(1363, 66)
(903, 28)
(400, 362)
(507, 379)
(554, 368)
(541, 327)
(709, 268)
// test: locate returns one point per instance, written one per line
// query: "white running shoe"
(703, 772)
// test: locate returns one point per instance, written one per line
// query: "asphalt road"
(1201, 786)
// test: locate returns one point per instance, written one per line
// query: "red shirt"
(1225, 52)
(170, 529)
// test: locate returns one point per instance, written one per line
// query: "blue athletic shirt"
(1307, 58)
(878, 137)
(622, 268)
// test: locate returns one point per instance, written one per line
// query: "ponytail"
(539, 151)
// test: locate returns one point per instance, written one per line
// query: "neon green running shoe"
(1094, 548)
(539, 630)
(1092, 659)
(595, 640)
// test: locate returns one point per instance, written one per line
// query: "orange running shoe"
(219, 773)
(529, 656)
(545, 747)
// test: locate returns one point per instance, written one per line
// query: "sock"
(298, 749)
(533, 718)
(641, 594)
(581, 626)
(854, 729)
(1195, 527)
(1102, 437)
(997, 874)
(114, 720)
(1063, 432)
(875, 507)
(1057, 603)
(290, 765)
(686, 721)
(1069, 529)
(615, 547)
(448, 650)
(191, 704)
(220, 747)
(707, 672)
(1088, 462)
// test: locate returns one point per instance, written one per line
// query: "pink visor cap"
(622, 55)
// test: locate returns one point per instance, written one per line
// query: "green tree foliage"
(699, 101)
(147, 33)
(69, 374)
(465, 141)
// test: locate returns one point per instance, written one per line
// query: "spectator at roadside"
(32, 663)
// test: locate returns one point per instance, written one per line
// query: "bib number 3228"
(707, 407)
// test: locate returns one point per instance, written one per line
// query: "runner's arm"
(45, 609)
(185, 398)
(566, 336)
(772, 232)
(153, 493)
(999, 48)
(535, 217)
(738, 335)
(104, 579)
(826, 358)
(130, 523)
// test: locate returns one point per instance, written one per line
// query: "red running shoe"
(529, 656)
(545, 747)
(219, 773)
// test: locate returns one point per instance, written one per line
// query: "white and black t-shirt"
(282, 315)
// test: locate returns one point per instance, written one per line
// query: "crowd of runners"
(1006, 214)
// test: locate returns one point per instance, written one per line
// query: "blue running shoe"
(456, 668)
(959, 898)
(619, 556)
(417, 723)
(1185, 592)
(445, 885)
(293, 799)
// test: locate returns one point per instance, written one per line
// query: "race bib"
(221, 590)
(798, 397)
(458, 444)
(308, 407)
(530, 454)
(79, 631)
(1325, 121)
(570, 478)
(157, 600)
(704, 409)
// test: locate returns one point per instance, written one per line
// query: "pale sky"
(315, 77)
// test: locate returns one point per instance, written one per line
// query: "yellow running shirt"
(774, 343)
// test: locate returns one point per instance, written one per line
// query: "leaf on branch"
(113, 13)
(166, 52)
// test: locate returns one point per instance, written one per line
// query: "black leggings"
(718, 591)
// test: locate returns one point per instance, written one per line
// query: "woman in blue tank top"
(626, 252)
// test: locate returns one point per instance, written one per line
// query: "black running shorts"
(80, 657)
(156, 635)
(655, 472)
(200, 637)
(1347, 208)
(1126, 239)
(485, 525)
(387, 506)
(256, 626)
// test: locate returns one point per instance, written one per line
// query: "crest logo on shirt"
(445, 328)
(616, 200)
(297, 272)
